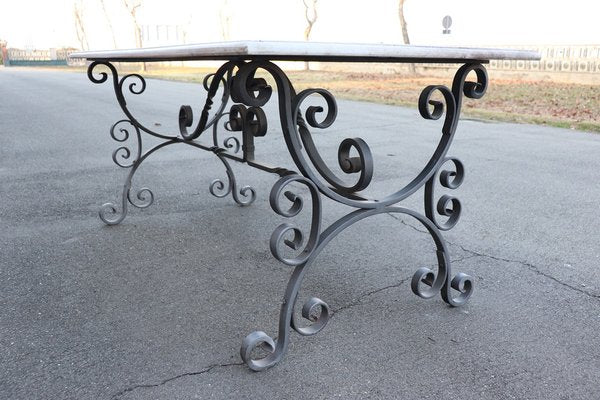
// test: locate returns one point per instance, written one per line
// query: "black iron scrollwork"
(354, 156)
(143, 197)
(314, 310)
(279, 235)
(254, 92)
(246, 195)
(211, 84)
(362, 164)
(118, 88)
(127, 157)
(252, 122)
(124, 158)
(122, 155)
(249, 90)
(438, 107)
(448, 206)
(299, 140)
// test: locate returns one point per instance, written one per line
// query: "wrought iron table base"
(237, 81)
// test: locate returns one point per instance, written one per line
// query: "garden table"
(236, 81)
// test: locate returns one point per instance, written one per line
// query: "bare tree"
(3, 53)
(132, 7)
(225, 19)
(79, 27)
(112, 31)
(185, 29)
(310, 12)
(404, 27)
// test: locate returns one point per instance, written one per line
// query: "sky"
(50, 23)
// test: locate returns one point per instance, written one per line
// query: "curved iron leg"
(144, 196)
(435, 282)
(279, 347)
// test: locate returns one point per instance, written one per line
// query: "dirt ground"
(567, 105)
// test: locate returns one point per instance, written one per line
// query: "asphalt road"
(157, 307)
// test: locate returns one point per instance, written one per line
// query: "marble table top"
(309, 51)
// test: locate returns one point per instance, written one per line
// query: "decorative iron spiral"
(448, 206)
(282, 231)
(362, 164)
(250, 120)
(133, 85)
(122, 155)
(437, 283)
(119, 92)
(231, 143)
(438, 107)
(247, 89)
(219, 189)
(210, 83)
(252, 342)
(244, 197)
(462, 283)
(300, 145)
(317, 312)
(142, 199)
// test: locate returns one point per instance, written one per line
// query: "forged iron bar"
(238, 82)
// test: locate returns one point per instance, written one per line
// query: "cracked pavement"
(157, 307)
(532, 267)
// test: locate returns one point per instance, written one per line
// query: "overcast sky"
(50, 23)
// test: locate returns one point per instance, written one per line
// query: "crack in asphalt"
(463, 258)
(358, 300)
(164, 381)
(354, 303)
(531, 267)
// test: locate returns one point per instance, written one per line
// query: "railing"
(581, 59)
(27, 57)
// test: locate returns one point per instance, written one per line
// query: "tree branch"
(310, 21)
(112, 31)
(403, 24)
(404, 27)
(79, 28)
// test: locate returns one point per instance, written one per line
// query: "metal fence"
(581, 59)
(31, 57)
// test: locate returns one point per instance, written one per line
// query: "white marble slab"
(309, 51)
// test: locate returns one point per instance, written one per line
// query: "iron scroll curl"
(211, 84)
(305, 155)
(119, 92)
(282, 231)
